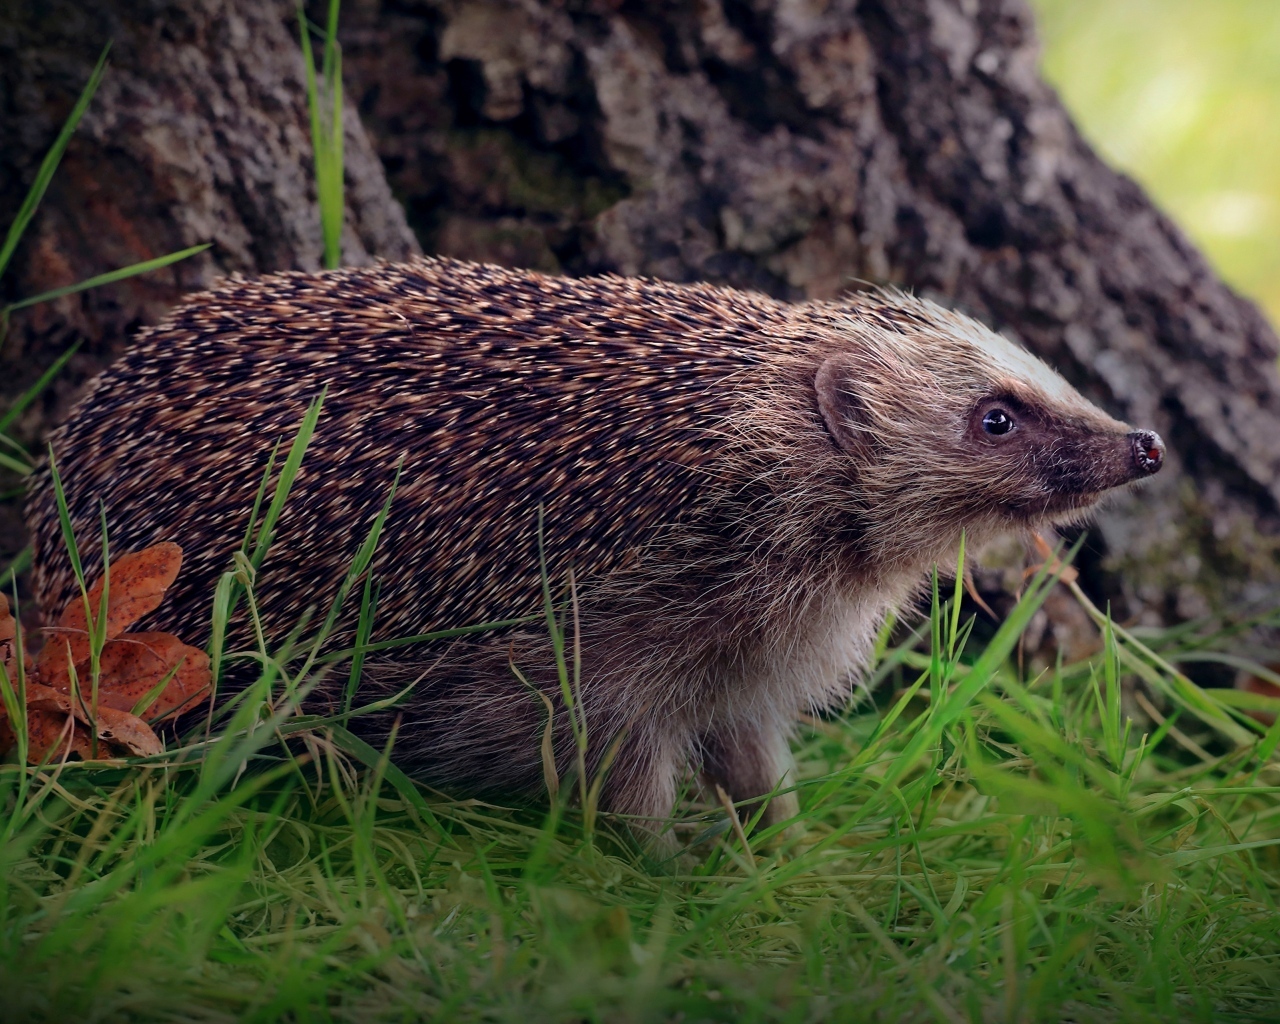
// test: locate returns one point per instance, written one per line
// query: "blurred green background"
(1184, 95)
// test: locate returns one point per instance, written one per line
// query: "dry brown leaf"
(121, 729)
(60, 650)
(8, 624)
(9, 658)
(51, 733)
(115, 727)
(131, 666)
(138, 583)
(8, 642)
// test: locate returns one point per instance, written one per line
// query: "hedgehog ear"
(838, 403)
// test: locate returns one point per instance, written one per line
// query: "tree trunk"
(199, 133)
(794, 148)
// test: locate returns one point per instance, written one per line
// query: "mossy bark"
(795, 148)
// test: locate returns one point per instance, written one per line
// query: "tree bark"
(199, 133)
(796, 148)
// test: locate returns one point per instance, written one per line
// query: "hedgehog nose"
(1148, 451)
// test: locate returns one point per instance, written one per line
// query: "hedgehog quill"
(742, 489)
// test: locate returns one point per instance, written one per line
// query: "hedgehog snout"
(1148, 451)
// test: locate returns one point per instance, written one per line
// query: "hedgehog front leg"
(752, 759)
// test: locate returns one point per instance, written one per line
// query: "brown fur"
(741, 487)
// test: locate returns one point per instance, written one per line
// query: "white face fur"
(952, 427)
(1011, 362)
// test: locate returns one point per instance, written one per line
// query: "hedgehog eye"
(997, 422)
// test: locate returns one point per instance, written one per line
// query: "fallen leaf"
(114, 726)
(59, 651)
(9, 659)
(50, 733)
(122, 729)
(132, 666)
(130, 669)
(8, 739)
(138, 583)
(8, 641)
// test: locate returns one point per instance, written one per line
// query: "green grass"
(974, 846)
(324, 101)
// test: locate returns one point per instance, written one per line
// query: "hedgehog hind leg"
(466, 724)
(642, 782)
(751, 759)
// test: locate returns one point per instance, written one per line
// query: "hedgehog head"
(949, 426)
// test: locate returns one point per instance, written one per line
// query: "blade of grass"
(14, 465)
(364, 630)
(324, 100)
(111, 276)
(422, 638)
(1139, 658)
(371, 757)
(50, 163)
(24, 400)
(359, 565)
(288, 474)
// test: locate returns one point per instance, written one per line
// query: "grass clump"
(977, 846)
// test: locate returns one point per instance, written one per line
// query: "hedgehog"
(731, 491)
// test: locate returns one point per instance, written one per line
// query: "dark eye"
(997, 421)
